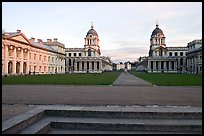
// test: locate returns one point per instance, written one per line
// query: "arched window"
(89, 52)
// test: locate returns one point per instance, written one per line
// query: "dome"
(92, 31)
(156, 31)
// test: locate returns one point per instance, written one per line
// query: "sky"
(124, 28)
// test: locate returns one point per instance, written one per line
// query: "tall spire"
(157, 25)
(91, 25)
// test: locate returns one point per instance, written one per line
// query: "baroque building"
(87, 59)
(21, 55)
(194, 56)
(162, 58)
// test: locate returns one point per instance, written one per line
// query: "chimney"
(18, 31)
(32, 39)
(49, 40)
(55, 39)
(40, 41)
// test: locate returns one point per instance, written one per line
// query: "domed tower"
(157, 39)
(92, 41)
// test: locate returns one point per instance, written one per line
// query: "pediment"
(20, 38)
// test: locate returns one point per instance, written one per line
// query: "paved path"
(127, 79)
(17, 99)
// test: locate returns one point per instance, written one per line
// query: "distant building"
(141, 65)
(87, 59)
(123, 66)
(21, 55)
(194, 56)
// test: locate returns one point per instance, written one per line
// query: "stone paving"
(127, 79)
(126, 90)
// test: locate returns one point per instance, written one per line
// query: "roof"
(42, 46)
(157, 30)
(92, 31)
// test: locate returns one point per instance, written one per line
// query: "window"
(79, 54)
(181, 53)
(160, 52)
(175, 53)
(181, 61)
(70, 54)
(170, 53)
(75, 54)
(34, 56)
(89, 52)
(40, 57)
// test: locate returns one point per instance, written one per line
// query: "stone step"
(77, 131)
(115, 124)
(44, 119)
(125, 114)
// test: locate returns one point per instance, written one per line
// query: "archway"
(18, 67)
(24, 68)
(10, 67)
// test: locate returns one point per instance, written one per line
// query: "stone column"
(28, 62)
(170, 66)
(75, 65)
(100, 66)
(154, 65)
(95, 66)
(85, 65)
(90, 65)
(21, 64)
(6, 60)
(14, 60)
(148, 65)
(80, 66)
(159, 63)
(164, 65)
(175, 65)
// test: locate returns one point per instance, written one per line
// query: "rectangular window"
(40, 57)
(79, 54)
(70, 54)
(75, 54)
(181, 53)
(170, 53)
(34, 56)
(176, 54)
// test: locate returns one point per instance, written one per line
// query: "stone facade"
(194, 56)
(165, 59)
(21, 55)
(87, 59)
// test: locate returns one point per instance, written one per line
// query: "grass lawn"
(171, 79)
(106, 78)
